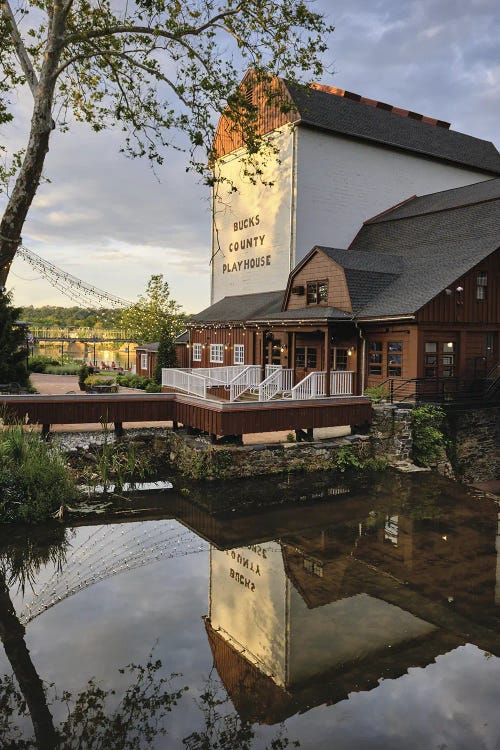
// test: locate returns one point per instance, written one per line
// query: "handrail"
(277, 381)
(311, 386)
(184, 381)
(244, 380)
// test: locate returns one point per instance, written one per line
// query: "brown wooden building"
(413, 304)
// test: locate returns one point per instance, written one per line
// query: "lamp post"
(93, 358)
(127, 349)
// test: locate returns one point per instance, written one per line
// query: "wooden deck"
(214, 417)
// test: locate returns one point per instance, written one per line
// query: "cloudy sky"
(111, 222)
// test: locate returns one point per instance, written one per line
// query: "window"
(217, 353)
(394, 359)
(448, 359)
(338, 359)
(239, 354)
(144, 361)
(313, 567)
(431, 359)
(375, 358)
(317, 292)
(482, 285)
(196, 352)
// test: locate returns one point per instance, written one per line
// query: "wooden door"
(307, 359)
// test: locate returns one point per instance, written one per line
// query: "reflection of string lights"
(69, 285)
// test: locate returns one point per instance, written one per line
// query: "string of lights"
(71, 286)
(110, 551)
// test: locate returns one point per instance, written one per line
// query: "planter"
(103, 389)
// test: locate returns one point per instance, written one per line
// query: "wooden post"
(119, 431)
(45, 431)
(327, 362)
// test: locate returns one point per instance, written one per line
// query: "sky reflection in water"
(360, 621)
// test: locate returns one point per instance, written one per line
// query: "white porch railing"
(311, 386)
(244, 380)
(341, 383)
(222, 374)
(277, 381)
(183, 380)
(314, 384)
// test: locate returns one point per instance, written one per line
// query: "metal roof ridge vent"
(380, 105)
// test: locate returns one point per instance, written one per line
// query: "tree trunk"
(28, 179)
(31, 686)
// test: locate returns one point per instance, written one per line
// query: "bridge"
(83, 335)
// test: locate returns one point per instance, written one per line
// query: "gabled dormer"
(317, 281)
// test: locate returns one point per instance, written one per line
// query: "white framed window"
(144, 361)
(217, 353)
(196, 352)
(239, 354)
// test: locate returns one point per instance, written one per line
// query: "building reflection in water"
(319, 614)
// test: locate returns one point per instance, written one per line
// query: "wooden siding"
(229, 137)
(408, 336)
(228, 336)
(214, 418)
(317, 268)
(146, 372)
(463, 307)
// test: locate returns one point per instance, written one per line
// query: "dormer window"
(317, 292)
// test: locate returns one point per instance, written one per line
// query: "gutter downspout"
(363, 355)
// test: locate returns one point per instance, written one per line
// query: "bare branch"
(21, 51)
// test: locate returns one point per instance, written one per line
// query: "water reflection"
(321, 602)
(312, 617)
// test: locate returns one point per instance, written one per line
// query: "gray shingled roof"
(443, 201)
(153, 347)
(313, 312)
(355, 119)
(436, 247)
(241, 307)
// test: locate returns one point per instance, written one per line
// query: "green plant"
(34, 478)
(290, 438)
(92, 380)
(69, 369)
(377, 393)
(429, 442)
(83, 374)
(346, 459)
(153, 388)
(40, 362)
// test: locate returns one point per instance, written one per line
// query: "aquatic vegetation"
(34, 478)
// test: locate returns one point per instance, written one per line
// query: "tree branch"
(156, 32)
(21, 52)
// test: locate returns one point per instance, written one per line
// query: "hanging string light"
(69, 285)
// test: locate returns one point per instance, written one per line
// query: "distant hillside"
(72, 317)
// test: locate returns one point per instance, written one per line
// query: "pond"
(341, 616)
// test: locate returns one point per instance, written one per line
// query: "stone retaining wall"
(475, 440)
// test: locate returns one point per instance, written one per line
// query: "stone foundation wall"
(391, 431)
(475, 441)
(196, 458)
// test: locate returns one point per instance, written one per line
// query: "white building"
(342, 160)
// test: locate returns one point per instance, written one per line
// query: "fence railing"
(311, 386)
(277, 381)
(244, 380)
(222, 374)
(183, 380)
(341, 383)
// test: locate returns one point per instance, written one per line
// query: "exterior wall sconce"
(460, 289)
(350, 351)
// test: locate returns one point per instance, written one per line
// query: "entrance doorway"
(308, 357)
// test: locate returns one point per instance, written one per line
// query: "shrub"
(39, 363)
(62, 369)
(377, 393)
(34, 478)
(83, 373)
(92, 380)
(428, 437)
(134, 381)
(153, 388)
